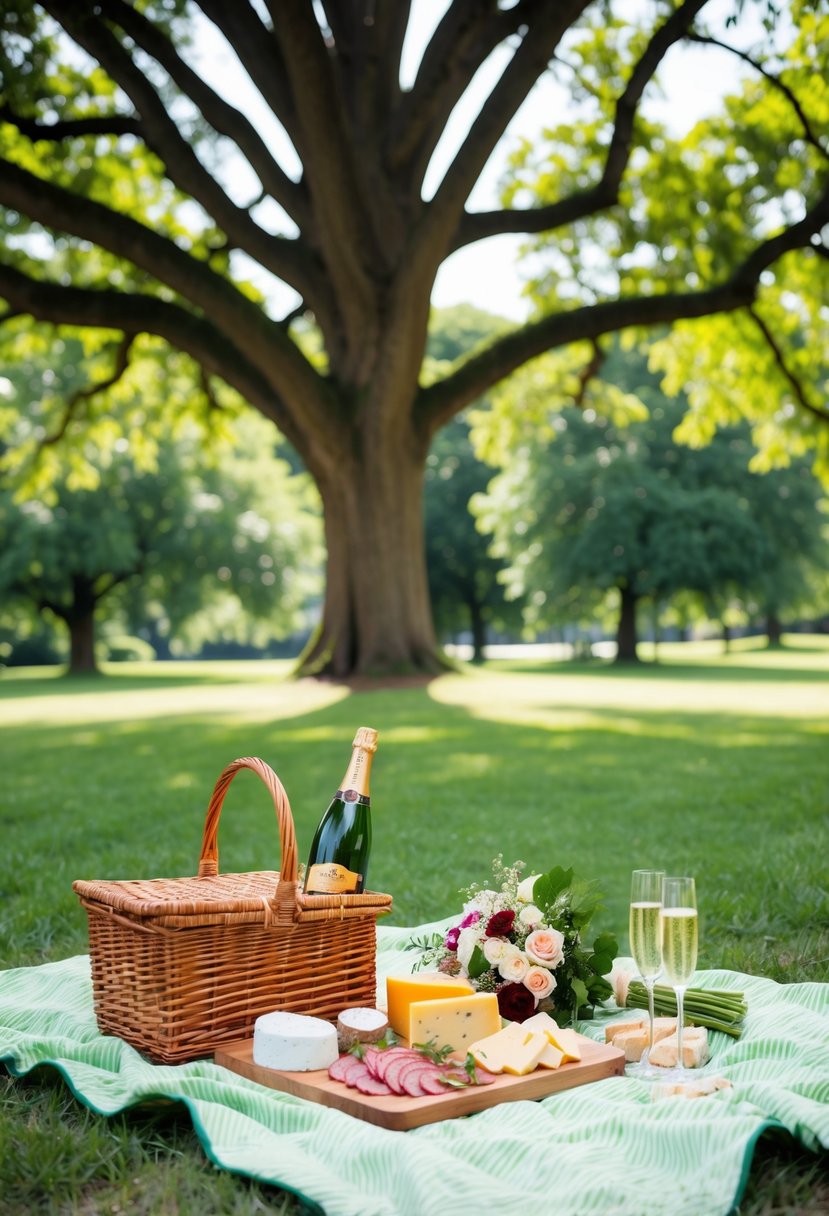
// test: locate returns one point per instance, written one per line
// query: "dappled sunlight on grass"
(276, 698)
(507, 694)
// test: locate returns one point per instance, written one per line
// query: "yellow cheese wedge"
(513, 1050)
(567, 1041)
(402, 990)
(551, 1057)
(454, 1021)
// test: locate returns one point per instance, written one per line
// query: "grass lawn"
(703, 763)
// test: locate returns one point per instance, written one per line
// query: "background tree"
(604, 506)
(464, 589)
(136, 196)
(156, 540)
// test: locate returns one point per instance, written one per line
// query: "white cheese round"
(293, 1042)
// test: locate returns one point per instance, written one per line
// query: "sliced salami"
(369, 1084)
(358, 1073)
(432, 1082)
(338, 1068)
(409, 1078)
(385, 1059)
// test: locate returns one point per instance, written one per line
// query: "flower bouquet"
(523, 939)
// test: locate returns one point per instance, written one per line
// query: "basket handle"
(285, 895)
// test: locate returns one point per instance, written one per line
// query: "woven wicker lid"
(153, 897)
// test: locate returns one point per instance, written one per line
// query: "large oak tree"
(113, 145)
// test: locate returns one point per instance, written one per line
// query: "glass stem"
(649, 987)
(680, 1017)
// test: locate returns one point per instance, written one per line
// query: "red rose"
(500, 924)
(515, 1002)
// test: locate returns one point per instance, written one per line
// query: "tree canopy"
(155, 535)
(622, 507)
(137, 194)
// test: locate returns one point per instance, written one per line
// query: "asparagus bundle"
(711, 1007)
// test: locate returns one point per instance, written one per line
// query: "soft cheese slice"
(566, 1041)
(293, 1043)
(514, 1049)
(454, 1021)
(402, 990)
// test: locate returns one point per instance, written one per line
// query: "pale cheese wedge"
(694, 1049)
(512, 1049)
(612, 1031)
(702, 1088)
(551, 1057)
(633, 1043)
(565, 1041)
(662, 1027)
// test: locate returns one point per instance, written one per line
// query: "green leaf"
(606, 943)
(580, 994)
(477, 964)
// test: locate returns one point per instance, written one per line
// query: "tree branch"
(259, 52)
(779, 358)
(182, 166)
(545, 26)
(348, 242)
(441, 401)
(465, 36)
(223, 117)
(134, 313)
(72, 128)
(590, 370)
(122, 361)
(242, 319)
(476, 226)
(776, 81)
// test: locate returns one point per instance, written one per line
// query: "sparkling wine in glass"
(680, 937)
(646, 943)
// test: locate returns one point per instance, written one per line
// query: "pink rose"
(470, 919)
(540, 982)
(545, 947)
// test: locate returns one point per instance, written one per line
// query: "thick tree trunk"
(82, 643)
(774, 629)
(626, 629)
(377, 618)
(477, 624)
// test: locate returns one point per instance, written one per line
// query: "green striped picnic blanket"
(603, 1148)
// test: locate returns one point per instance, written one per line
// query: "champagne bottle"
(339, 853)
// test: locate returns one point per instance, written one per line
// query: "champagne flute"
(679, 948)
(646, 946)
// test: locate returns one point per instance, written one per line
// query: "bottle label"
(353, 796)
(330, 878)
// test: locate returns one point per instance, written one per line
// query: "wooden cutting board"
(400, 1113)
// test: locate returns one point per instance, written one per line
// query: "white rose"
(513, 968)
(540, 982)
(467, 941)
(496, 948)
(531, 915)
(525, 888)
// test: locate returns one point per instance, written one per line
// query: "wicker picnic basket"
(182, 966)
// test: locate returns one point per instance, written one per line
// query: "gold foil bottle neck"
(366, 738)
